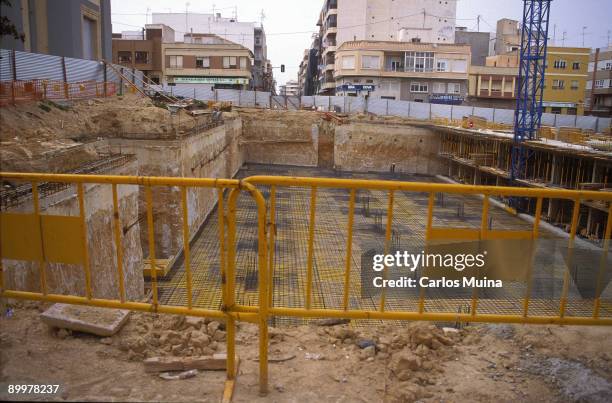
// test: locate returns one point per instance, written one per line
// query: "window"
(439, 88)
(574, 84)
(229, 62)
(176, 62)
(560, 64)
(599, 83)
(396, 65)
(454, 88)
(576, 65)
(124, 57)
(419, 61)
(348, 62)
(418, 87)
(442, 65)
(202, 62)
(459, 66)
(370, 62)
(197, 40)
(243, 63)
(558, 84)
(141, 57)
(608, 66)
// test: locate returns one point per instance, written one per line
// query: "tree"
(7, 27)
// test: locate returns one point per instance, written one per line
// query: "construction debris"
(99, 321)
(215, 362)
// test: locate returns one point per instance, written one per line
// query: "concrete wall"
(70, 279)
(211, 154)
(375, 147)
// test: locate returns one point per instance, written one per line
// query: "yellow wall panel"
(20, 237)
(63, 239)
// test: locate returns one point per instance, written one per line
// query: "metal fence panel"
(247, 98)
(586, 122)
(548, 119)
(279, 102)
(228, 96)
(293, 103)
(308, 101)
(602, 123)
(505, 116)
(460, 111)
(398, 108)
(6, 67)
(338, 103)
(565, 120)
(441, 111)
(262, 99)
(486, 113)
(419, 110)
(377, 106)
(322, 102)
(31, 66)
(355, 105)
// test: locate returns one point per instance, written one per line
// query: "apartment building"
(478, 41)
(507, 37)
(420, 72)
(77, 28)
(208, 61)
(142, 50)
(565, 80)
(430, 21)
(598, 95)
(290, 89)
(494, 85)
(247, 34)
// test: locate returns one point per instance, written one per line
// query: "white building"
(428, 21)
(242, 33)
(290, 89)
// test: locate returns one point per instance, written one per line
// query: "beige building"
(420, 72)
(429, 21)
(207, 60)
(507, 36)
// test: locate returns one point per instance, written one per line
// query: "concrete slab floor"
(329, 258)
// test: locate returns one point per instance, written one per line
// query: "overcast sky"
(289, 24)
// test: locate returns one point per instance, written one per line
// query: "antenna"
(186, 18)
(555, 34)
(478, 21)
(583, 30)
(563, 38)
(147, 16)
(262, 17)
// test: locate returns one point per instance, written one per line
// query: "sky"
(289, 24)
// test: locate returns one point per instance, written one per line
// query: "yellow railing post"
(42, 264)
(311, 228)
(388, 231)
(272, 244)
(349, 250)
(117, 228)
(151, 232)
(186, 250)
(603, 263)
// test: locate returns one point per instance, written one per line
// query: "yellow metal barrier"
(47, 239)
(32, 236)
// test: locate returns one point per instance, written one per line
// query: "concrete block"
(99, 321)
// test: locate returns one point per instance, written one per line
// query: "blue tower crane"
(528, 114)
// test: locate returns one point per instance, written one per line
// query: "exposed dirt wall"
(211, 154)
(375, 147)
(281, 137)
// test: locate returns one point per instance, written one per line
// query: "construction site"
(248, 247)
